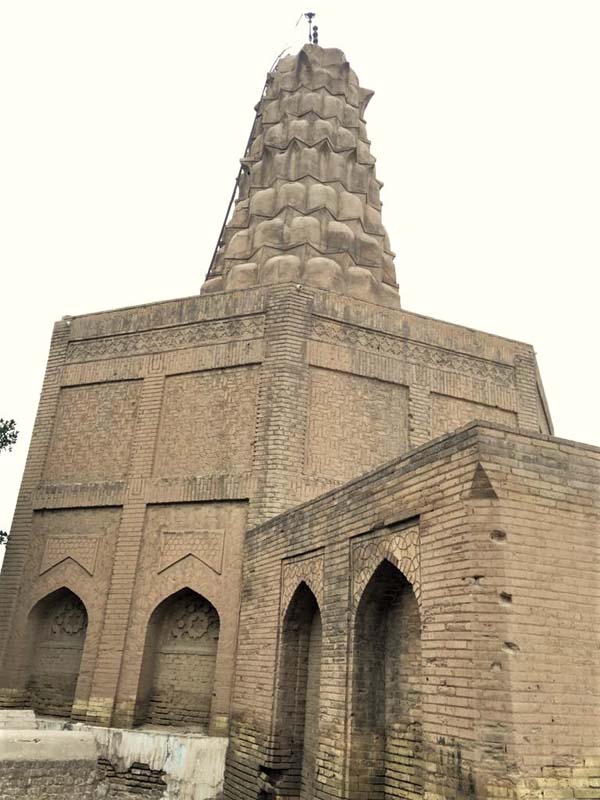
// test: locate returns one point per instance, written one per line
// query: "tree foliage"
(8, 434)
(8, 437)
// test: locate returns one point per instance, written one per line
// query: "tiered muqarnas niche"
(166, 433)
(308, 209)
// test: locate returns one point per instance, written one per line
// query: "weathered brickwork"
(157, 419)
(70, 551)
(55, 780)
(340, 404)
(298, 696)
(449, 414)
(92, 433)
(386, 758)
(44, 765)
(477, 694)
(139, 780)
(184, 680)
(180, 662)
(59, 641)
(207, 423)
(427, 630)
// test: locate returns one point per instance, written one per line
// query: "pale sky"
(122, 123)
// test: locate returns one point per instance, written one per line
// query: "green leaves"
(8, 437)
(8, 434)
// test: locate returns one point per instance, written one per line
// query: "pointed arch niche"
(57, 629)
(386, 697)
(299, 691)
(178, 666)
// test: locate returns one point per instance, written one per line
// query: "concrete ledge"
(36, 745)
(22, 719)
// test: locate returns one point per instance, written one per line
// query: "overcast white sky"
(122, 123)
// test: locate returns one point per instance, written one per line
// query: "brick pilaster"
(526, 377)
(419, 415)
(282, 411)
(118, 606)
(18, 544)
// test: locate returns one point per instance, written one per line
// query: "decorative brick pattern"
(355, 424)
(82, 549)
(401, 548)
(207, 423)
(417, 633)
(166, 339)
(223, 523)
(293, 572)
(416, 353)
(55, 670)
(16, 566)
(450, 413)
(223, 437)
(93, 431)
(386, 727)
(505, 621)
(182, 662)
(206, 546)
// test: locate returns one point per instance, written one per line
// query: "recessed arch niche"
(57, 630)
(299, 692)
(386, 733)
(179, 662)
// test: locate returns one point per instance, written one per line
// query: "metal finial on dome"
(313, 31)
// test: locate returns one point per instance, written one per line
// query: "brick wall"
(138, 780)
(92, 433)
(497, 534)
(47, 765)
(355, 423)
(387, 710)
(450, 414)
(61, 624)
(227, 401)
(207, 423)
(180, 662)
(539, 550)
(194, 546)
(37, 780)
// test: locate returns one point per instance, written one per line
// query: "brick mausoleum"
(287, 512)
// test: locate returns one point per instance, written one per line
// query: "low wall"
(48, 765)
(57, 759)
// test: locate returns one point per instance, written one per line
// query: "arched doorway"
(58, 625)
(299, 692)
(386, 719)
(178, 667)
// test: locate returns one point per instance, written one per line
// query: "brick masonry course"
(231, 408)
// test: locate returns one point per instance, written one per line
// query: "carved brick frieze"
(193, 488)
(205, 545)
(400, 547)
(412, 352)
(81, 549)
(166, 339)
(307, 569)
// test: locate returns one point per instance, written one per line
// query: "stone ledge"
(47, 745)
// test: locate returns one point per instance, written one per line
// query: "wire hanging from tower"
(313, 38)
